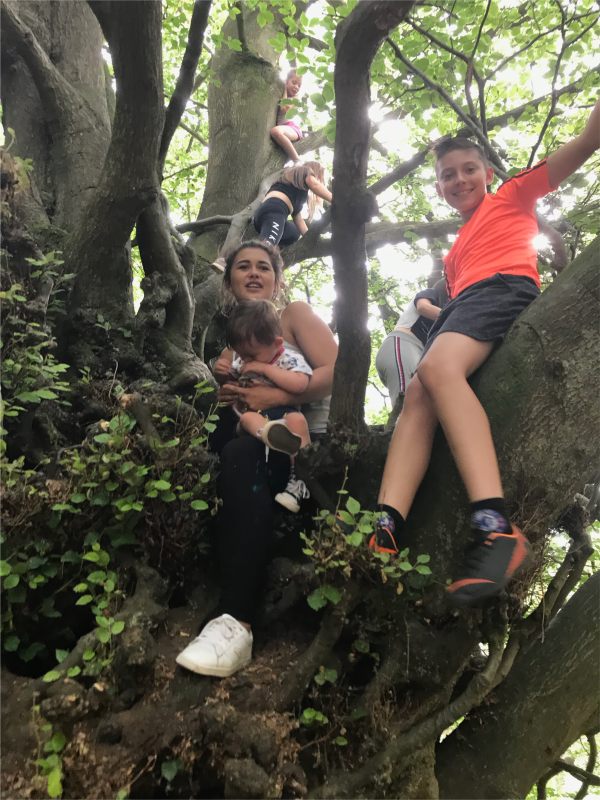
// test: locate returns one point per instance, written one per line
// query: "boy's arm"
(568, 158)
(427, 309)
(293, 382)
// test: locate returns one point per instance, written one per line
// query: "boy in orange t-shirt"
(492, 277)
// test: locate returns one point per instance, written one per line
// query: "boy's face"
(462, 180)
(255, 351)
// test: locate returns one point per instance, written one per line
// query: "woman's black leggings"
(272, 223)
(247, 485)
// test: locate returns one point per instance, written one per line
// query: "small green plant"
(50, 745)
(339, 548)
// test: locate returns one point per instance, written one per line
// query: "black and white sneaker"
(293, 494)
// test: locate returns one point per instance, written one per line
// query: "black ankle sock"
(490, 515)
(396, 516)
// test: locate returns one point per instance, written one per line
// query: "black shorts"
(486, 310)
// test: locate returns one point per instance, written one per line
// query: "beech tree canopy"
(136, 148)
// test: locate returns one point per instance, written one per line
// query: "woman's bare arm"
(317, 188)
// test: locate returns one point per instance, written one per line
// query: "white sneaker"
(293, 493)
(223, 647)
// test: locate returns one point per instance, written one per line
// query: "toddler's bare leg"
(252, 422)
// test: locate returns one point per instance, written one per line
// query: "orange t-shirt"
(499, 235)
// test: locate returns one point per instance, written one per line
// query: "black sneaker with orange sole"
(492, 562)
(384, 541)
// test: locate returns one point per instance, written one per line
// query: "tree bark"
(54, 98)
(544, 705)
(357, 41)
(240, 117)
(98, 248)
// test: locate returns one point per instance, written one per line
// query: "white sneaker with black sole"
(223, 647)
(293, 494)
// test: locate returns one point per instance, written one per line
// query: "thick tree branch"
(549, 706)
(55, 92)
(420, 734)
(185, 80)
(358, 39)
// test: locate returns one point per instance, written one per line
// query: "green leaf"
(73, 672)
(52, 675)
(406, 566)
(423, 570)
(355, 539)
(353, 506)
(88, 655)
(5, 569)
(11, 581)
(341, 741)
(98, 576)
(56, 743)
(11, 643)
(46, 394)
(316, 600)
(118, 626)
(102, 635)
(199, 505)
(423, 558)
(55, 782)
(331, 593)
(169, 769)
(92, 556)
(61, 655)
(161, 485)
(84, 600)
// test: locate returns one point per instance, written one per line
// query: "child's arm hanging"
(568, 158)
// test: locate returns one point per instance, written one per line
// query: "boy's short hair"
(253, 319)
(451, 143)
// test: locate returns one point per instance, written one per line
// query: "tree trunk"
(357, 42)
(98, 249)
(545, 704)
(54, 97)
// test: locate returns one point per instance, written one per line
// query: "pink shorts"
(295, 127)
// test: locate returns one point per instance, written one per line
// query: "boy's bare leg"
(452, 358)
(297, 423)
(410, 449)
(283, 135)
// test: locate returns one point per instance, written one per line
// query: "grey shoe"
(278, 436)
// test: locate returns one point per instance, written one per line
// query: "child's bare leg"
(284, 135)
(410, 449)
(452, 358)
(297, 423)
(499, 549)
(252, 422)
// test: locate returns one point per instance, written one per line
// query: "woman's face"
(252, 275)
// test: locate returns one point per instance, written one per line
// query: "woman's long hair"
(297, 177)
(228, 299)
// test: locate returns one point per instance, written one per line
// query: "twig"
(185, 80)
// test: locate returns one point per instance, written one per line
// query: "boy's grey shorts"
(486, 310)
